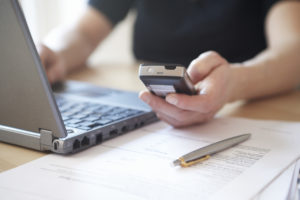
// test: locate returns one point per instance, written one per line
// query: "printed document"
(280, 188)
(137, 165)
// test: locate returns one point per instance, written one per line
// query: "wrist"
(237, 80)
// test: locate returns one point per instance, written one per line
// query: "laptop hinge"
(46, 139)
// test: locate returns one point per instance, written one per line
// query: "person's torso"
(178, 31)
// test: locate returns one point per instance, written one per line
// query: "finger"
(160, 105)
(56, 73)
(173, 115)
(42, 54)
(169, 120)
(169, 113)
(195, 118)
(52, 75)
(203, 65)
(199, 103)
(47, 56)
(212, 94)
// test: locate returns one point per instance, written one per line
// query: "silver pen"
(204, 153)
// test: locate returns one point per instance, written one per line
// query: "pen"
(205, 152)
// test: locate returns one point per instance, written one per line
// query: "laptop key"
(103, 121)
(116, 110)
(89, 124)
(74, 121)
(91, 118)
(79, 116)
(84, 128)
(72, 125)
(94, 125)
(86, 116)
(65, 118)
(68, 113)
(70, 131)
(104, 109)
(114, 117)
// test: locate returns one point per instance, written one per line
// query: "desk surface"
(280, 107)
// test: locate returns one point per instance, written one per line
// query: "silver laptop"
(73, 117)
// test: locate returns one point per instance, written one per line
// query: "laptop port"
(113, 132)
(85, 141)
(56, 145)
(76, 144)
(99, 138)
(124, 129)
(136, 125)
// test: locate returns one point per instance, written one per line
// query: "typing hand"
(52, 63)
(211, 75)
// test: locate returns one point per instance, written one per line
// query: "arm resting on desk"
(277, 69)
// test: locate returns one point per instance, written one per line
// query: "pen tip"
(176, 163)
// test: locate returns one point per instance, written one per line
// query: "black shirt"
(177, 31)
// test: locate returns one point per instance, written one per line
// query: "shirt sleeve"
(114, 10)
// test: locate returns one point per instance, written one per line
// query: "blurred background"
(44, 15)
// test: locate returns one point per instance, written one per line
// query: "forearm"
(276, 69)
(70, 46)
(74, 44)
(273, 71)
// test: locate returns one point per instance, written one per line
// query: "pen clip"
(184, 163)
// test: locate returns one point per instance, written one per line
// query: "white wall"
(44, 15)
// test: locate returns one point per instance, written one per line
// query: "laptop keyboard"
(87, 116)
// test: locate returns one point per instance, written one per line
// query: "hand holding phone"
(162, 79)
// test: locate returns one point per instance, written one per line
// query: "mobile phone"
(162, 79)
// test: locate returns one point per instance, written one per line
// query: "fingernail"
(171, 99)
(145, 97)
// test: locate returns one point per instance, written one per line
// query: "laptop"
(66, 119)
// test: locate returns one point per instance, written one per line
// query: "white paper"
(137, 165)
(294, 190)
(279, 188)
(284, 187)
